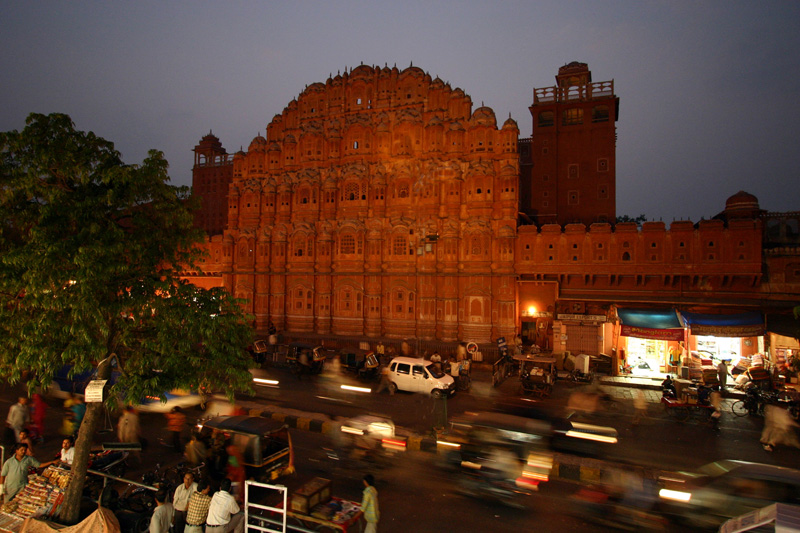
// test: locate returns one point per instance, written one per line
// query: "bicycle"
(753, 404)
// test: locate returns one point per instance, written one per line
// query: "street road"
(414, 494)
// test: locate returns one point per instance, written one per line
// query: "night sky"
(709, 90)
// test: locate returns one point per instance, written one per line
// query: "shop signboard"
(652, 333)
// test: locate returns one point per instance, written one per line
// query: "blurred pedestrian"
(128, 430)
(38, 411)
(779, 428)
(68, 427)
(722, 374)
(18, 416)
(385, 383)
(176, 421)
(235, 470)
(78, 409)
(196, 450)
(14, 475)
(639, 406)
(369, 504)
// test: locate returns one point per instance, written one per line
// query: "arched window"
(351, 191)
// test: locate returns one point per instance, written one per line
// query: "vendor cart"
(313, 508)
(536, 374)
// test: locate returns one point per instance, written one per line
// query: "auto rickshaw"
(305, 358)
(537, 374)
(364, 363)
(264, 444)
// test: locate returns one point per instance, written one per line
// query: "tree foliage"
(89, 251)
(638, 220)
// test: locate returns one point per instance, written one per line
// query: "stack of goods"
(347, 510)
(41, 496)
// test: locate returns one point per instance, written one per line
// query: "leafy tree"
(638, 220)
(89, 248)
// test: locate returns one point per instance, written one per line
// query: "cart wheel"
(681, 414)
(739, 408)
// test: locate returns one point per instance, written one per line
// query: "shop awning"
(786, 325)
(659, 324)
(736, 325)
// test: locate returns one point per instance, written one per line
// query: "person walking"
(162, 517)
(18, 416)
(640, 406)
(78, 409)
(197, 508)
(14, 475)
(369, 504)
(224, 514)
(38, 412)
(722, 374)
(385, 383)
(176, 421)
(128, 430)
(779, 428)
(180, 501)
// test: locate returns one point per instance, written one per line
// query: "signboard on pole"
(94, 391)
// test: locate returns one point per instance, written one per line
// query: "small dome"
(259, 144)
(510, 124)
(742, 204)
(274, 147)
(484, 116)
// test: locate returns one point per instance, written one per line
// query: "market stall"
(40, 498)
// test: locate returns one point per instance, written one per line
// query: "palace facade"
(381, 205)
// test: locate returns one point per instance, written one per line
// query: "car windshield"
(435, 371)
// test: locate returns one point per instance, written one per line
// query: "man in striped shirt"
(197, 509)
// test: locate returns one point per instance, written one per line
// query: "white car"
(418, 375)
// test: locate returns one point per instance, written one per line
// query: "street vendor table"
(350, 518)
(39, 498)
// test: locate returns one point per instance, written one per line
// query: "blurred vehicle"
(299, 357)
(500, 456)
(726, 489)
(265, 444)
(366, 441)
(418, 375)
(64, 384)
(578, 438)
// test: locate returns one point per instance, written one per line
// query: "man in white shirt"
(162, 516)
(67, 454)
(224, 514)
(180, 501)
(67, 451)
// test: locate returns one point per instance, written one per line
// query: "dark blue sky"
(709, 91)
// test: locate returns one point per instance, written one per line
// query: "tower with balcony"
(568, 166)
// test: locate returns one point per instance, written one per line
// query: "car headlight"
(675, 495)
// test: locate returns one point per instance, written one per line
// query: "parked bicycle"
(753, 403)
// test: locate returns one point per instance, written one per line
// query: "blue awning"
(650, 318)
(750, 324)
(658, 324)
